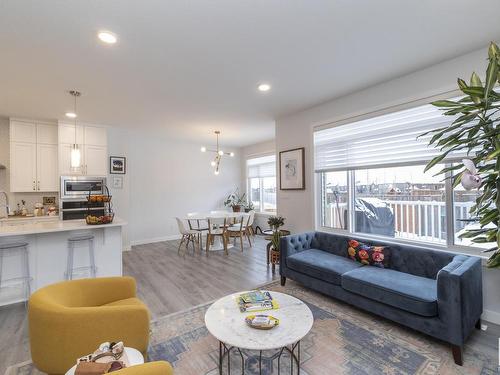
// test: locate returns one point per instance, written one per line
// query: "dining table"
(200, 220)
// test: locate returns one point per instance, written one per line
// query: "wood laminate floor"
(169, 283)
(166, 281)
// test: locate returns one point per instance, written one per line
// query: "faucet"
(6, 205)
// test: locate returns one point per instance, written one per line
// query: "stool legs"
(92, 258)
(69, 261)
(22, 251)
(71, 257)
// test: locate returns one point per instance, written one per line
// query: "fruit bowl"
(99, 220)
(98, 198)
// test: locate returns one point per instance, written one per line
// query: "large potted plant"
(235, 200)
(275, 222)
(476, 130)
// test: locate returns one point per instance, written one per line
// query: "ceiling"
(187, 67)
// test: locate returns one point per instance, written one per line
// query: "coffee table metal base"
(225, 351)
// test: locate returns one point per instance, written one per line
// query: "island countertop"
(51, 226)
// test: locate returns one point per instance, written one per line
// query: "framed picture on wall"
(117, 164)
(292, 166)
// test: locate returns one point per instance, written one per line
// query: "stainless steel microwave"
(80, 186)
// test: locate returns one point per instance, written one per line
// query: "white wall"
(296, 131)
(166, 178)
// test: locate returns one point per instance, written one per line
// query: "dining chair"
(197, 224)
(239, 229)
(251, 219)
(217, 227)
(188, 235)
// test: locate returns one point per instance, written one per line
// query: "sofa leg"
(478, 324)
(457, 354)
(283, 280)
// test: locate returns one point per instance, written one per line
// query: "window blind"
(382, 140)
(264, 166)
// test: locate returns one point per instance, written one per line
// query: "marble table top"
(227, 324)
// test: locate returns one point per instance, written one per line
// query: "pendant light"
(76, 158)
(218, 154)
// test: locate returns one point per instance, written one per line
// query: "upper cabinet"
(93, 144)
(33, 156)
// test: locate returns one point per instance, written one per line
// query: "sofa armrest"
(460, 296)
(294, 244)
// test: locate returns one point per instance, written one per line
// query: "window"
(261, 185)
(371, 180)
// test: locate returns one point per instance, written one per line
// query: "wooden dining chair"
(197, 224)
(188, 235)
(251, 219)
(239, 229)
(217, 227)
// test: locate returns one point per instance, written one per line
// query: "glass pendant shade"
(75, 157)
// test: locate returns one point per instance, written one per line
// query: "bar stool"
(74, 242)
(20, 249)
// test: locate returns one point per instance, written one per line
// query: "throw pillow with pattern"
(377, 256)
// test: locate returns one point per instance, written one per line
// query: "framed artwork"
(117, 164)
(118, 182)
(292, 166)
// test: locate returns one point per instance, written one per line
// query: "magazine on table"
(256, 300)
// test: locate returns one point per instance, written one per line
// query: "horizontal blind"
(382, 140)
(264, 166)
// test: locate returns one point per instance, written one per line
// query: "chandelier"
(218, 154)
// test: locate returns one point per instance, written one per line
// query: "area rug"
(344, 340)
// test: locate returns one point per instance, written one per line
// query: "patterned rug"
(344, 340)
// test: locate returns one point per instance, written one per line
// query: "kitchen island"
(48, 248)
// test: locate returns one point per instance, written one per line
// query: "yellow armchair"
(152, 368)
(70, 319)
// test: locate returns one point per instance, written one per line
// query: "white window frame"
(450, 244)
(261, 184)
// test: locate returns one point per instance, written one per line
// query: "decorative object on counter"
(235, 200)
(108, 210)
(24, 210)
(292, 167)
(118, 182)
(39, 210)
(218, 154)
(49, 201)
(76, 157)
(52, 211)
(117, 164)
(264, 322)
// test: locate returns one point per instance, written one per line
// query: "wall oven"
(73, 197)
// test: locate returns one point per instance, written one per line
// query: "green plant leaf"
(475, 81)
(491, 76)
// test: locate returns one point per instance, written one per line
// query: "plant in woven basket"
(476, 130)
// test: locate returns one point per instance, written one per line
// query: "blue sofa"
(434, 292)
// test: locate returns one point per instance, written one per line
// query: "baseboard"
(491, 316)
(156, 239)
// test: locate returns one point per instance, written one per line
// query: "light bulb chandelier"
(76, 158)
(218, 154)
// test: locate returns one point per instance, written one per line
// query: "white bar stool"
(18, 249)
(74, 242)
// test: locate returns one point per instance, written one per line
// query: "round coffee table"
(227, 324)
(134, 356)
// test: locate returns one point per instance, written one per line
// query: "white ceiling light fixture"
(107, 37)
(71, 114)
(264, 87)
(76, 158)
(218, 154)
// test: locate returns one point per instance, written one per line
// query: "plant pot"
(275, 256)
(247, 210)
(236, 208)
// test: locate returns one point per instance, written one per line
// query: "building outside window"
(261, 184)
(370, 180)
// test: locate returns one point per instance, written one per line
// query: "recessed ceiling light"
(264, 87)
(107, 37)
(71, 114)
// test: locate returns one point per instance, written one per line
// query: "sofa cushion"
(377, 256)
(402, 290)
(321, 265)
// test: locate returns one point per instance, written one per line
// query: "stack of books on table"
(256, 300)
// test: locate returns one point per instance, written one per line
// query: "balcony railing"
(418, 220)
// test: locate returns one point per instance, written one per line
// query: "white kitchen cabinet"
(22, 167)
(22, 131)
(47, 170)
(92, 142)
(96, 136)
(95, 160)
(33, 156)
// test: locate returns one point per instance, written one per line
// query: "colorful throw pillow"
(377, 256)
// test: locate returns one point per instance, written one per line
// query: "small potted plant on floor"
(235, 200)
(275, 222)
